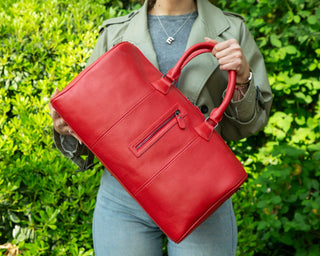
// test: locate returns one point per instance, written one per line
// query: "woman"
(162, 30)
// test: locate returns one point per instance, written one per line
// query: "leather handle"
(174, 74)
(199, 48)
(163, 85)
(205, 130)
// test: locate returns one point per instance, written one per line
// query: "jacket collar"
(211, 22)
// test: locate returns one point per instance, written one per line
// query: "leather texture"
(155, 142)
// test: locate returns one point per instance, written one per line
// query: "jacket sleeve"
(250, 114)
(71, 148)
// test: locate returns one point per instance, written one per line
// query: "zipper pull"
(180, 120)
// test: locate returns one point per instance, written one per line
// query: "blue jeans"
(122, 228)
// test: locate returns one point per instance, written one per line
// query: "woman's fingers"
(231, 57)
(59, 124)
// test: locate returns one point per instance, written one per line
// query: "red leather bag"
(155, 142)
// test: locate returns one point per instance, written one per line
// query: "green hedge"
(46, 208)
(279, 211)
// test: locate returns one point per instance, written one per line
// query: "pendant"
(170, 40)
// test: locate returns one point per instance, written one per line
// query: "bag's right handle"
(205, 130)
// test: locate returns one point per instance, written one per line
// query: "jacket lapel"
(210, 23)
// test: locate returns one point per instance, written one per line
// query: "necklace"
(170, 39)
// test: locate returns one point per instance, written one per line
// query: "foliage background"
(46, 208)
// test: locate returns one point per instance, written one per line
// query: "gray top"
(179, 28)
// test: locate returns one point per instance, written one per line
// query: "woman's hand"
(59, 124)
(231, 57)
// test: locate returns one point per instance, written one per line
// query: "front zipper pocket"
(158, 130)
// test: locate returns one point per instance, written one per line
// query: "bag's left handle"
(195, 50)
(163, 85)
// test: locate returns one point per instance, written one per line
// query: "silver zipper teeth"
(158, 129)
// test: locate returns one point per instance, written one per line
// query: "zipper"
(179, 119)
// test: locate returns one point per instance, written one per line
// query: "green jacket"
(201, 79)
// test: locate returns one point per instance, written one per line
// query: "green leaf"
(314, 147)
(13, 217)
(297, 19)
(303, 97)
(316, 85)
(313, 66)
(300, 222)
(281, 121)
(312, 20)
(263, 225)
(290, 49)
(276, 200)
(318, 12)
(275, 41)
(289, 151)
(262, 204)
(295, 79)
(53, 227)
(292, 198)
(316, 156)
(300, 120)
